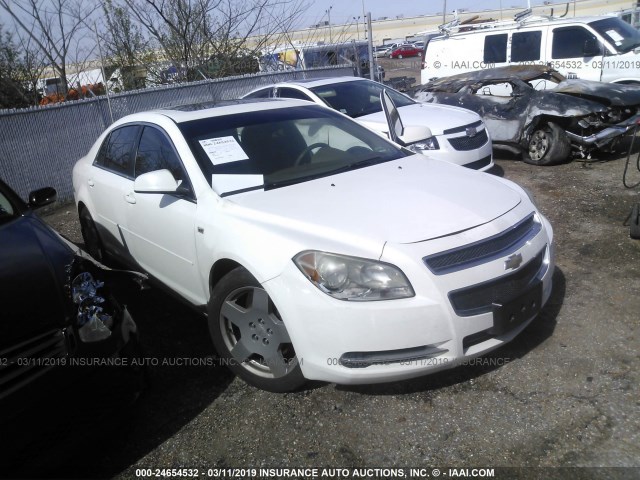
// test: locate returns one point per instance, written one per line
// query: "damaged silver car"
(536, 111)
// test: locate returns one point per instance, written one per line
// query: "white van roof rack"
(472, 23)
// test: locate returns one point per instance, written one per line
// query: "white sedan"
(457, 135)
(318, 249)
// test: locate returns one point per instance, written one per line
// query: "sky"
(343, 11)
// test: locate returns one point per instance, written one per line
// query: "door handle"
(90, 182)
(130, 198)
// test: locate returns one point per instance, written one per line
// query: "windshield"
(358, 98)
(278, 147)
(620, 34)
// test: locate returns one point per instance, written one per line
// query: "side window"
(264, 93)
(156, 152)
(116, 153)
(495, 48)
(525, 46)
(570, 42)
(293, 93)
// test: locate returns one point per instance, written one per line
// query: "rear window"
(358, 98)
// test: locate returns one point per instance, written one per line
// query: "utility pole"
(364, 20)
(328, 12)
(372, 63)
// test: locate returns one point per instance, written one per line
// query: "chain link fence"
(39, 146)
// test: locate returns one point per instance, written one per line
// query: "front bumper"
(370, 342)
(457, 147)
(606, 135)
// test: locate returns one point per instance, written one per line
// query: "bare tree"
(125, 46)
(33, 66)
(56, 27)
(205, 38)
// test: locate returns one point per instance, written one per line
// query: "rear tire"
(249, 335)
(548, 145)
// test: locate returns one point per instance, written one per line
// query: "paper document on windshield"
(615, 36)
(223, 150)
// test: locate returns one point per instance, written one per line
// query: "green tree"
(14, 91)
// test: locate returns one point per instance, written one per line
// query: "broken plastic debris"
(94, 324)
(95, 329)
(83, 287)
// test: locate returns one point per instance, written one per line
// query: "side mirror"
(43, 196)
(398, 133)
(396, 128)
(158, 181)
(415, 133)
(591, 48)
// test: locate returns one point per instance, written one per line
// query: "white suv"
(457, 135)
(318, 249)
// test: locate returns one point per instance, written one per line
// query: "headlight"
(430, 143)
(352, 278)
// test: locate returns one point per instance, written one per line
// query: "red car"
(405, 51)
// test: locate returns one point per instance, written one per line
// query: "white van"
(593, 48)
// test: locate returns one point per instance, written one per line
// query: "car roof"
(522, 72)
(186, 113)
(317, 82)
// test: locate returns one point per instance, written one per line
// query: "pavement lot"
(563, 393)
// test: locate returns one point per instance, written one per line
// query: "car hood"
(403, 201)
(437, 117)
(607, 93)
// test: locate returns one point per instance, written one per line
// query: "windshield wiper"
(364, 162)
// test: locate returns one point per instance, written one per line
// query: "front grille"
(462, 128)
(28, 360)
(469, 143)
(478, 164)
(480, 298)
(476, 253)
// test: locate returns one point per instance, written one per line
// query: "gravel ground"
(563, 393)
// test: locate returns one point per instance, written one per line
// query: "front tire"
(548, 145)
(249, 335)
(91, 237)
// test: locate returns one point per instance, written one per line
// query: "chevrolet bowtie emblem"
(471, 131)
(513, 262)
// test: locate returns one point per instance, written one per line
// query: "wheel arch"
(219, 269)
(542, 119)
(82, 206)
